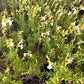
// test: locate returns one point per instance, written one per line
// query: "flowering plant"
(42, 39)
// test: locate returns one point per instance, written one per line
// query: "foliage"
(34, 33)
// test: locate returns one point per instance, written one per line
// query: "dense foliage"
(42, 39)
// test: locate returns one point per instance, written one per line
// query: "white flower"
(81, 20)
(24, 54)
(61, 13)
(46, 3)
(74, 8)
(44, 18)
(79, 47)
(54, 10)
(3, 23)
(40, 9)
(57, 45)
(9, 18)
(70, 61)
(48, 33)
(42, 34)
(67, 55)
(74, 22)
(82, 42)
(74, 12)
(21, 46)
(9, 21)
(58, 28)
(59, 10)
(69, 13)
(27, 6)
(21, 41)
(11, 44)
(49, 39)
(49, 66)
(46, 22)
(25, 1)
(49, 12)
(52, 24)
(77, 28)
(30, 55)
(16, 10)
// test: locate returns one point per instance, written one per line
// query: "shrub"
(43, 39)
